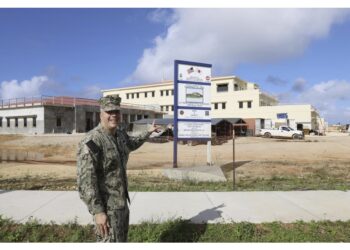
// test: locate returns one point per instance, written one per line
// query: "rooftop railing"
(63, 101)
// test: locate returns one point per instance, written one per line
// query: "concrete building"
(45, 114)
(231, 97)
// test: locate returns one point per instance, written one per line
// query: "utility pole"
(233, 160)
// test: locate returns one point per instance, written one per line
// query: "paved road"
(199, 207)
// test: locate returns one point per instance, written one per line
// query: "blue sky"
(298, 55)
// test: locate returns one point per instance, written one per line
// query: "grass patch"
(315, 181)
(38, 183)
(140, 183)
(291, 183)
(33, 231)
(180, 230)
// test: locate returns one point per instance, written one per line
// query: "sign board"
(194, 130)
(194, 114)
(193, 72)
(282, 116)
(194, 95)
(192, 106)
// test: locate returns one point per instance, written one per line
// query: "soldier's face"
(110, 119)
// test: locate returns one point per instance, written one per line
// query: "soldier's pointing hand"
(154, 128)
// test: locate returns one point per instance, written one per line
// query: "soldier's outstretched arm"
(134, 142)
(87, 163)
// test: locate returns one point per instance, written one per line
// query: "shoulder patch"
(92, 146)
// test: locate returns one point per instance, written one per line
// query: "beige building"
(231, 97)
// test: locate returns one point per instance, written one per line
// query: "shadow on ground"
(227, 168)
(190, 230)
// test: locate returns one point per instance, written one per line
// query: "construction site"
(39, 138)
(61, 114)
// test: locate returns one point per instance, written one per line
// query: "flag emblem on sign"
(190, 70)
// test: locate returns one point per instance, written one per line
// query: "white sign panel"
(194, 73)
(194, 130)
(196, 114)
(194, 95)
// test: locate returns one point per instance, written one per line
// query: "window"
(132, 96)
(139, 117)
(137, 95)
(127, 96)
(172, 92)
(153, 93)
(25, 122)
(223, 105)
(236, 87)
(240, 105)
(145, 116)
(167, 108)
(250, 104)
(58, 122)
(161, 93)
(145, 94)
(16, 122)
(172, 107)
(285, 129)
(161, 108)
(0, 121)
(216, 105)
(34, 121)
(167, 92)
(8, 122)
(222, 87)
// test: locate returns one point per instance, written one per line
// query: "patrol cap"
(110, 102)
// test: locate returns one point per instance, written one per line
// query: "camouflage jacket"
(101, 168)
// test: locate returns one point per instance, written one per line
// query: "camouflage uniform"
(102, 179)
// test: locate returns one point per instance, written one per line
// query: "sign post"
(192, 106)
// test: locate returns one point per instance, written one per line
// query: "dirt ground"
(54, 156)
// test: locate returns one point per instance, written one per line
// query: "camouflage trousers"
(119, 222)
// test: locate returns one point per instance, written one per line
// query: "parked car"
(282, 131)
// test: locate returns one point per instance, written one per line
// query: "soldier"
(101, 167)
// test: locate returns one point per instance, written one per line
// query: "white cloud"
(329, 91)
(26, 88)
(330, 98)
(43, 85)
(227, 37)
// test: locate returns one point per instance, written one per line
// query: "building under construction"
(61, 114)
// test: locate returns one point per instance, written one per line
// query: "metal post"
(175, 132)
(75, 116)
(209, 153)
(233, 160)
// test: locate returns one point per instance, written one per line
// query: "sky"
(298, 55)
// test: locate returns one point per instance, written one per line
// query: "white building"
(231, 97)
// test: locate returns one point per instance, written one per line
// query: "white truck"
(282, 131)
